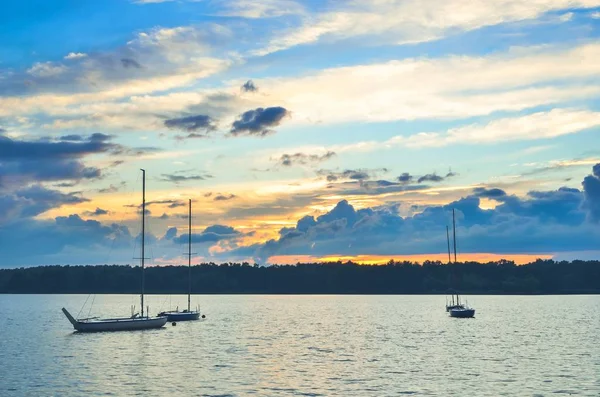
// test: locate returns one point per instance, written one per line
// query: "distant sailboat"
(455, 308)
(186, 315)
(452, 304)
(136, 321)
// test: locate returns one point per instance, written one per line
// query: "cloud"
(435, 177)
(97, 212)
(448, 87)
(258, 122)
(493, 193)
(408, 22)
(352, 175)
(547, 222)
(20, 149)
(405, 178)
(75, 55)
(172, 58)
(112, 188)
(224, 197)
(211, 234)
(130, 63)
(540, 125)
(46, 69)
(255, 9)
(192, 124)
(50, 160)
(34, 200)
(65, 239)
(591, 189)
(538, 227)
(178, 178)
(287, 160)
(249, 86)
(169, 203)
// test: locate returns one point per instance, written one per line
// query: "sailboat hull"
(462, 313)
(181, 316)
(116, 324)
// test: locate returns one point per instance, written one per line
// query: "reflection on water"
(307, 345)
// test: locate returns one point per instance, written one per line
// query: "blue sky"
(300, 130)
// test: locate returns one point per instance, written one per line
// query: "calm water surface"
(306, 346)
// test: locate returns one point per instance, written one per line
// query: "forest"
(501, 277)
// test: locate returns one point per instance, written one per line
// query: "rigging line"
(80, 310)
(92, 305)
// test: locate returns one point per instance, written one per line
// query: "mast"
(454, 234)
(454, 239)
(189, 255)
(448, 239)
(143, 232)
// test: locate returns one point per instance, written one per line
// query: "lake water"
(306, 346)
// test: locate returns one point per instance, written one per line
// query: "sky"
(299, 130)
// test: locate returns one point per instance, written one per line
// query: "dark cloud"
(32, 201)
(170, 234)
(130, 63)
(224, 197)
(70, 235)
(258, 122)
(354, 175)
(591, 191)
(493, 193)
(178, 178)
(249, 86)
(192, 124)
(543, 221)
(435, 177)
(430, 178)
(211, 234)
(52, 160)
(405, 178)
(287, 160)
(76, 138)
(13, 149)
(97, 212)
(169, 203)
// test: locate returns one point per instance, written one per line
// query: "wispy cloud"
(287, 160)
(402, 22)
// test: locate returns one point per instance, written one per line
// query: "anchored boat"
(455, 307)
(185, 315)
(136, 321)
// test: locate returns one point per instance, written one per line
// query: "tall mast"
(448, 239)
(454, 234)
(454, 239)
(189, 255)
(143, 231)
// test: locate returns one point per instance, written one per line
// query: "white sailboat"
(189, 314)
(136, 321)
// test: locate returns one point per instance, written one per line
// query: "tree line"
(500, 277)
